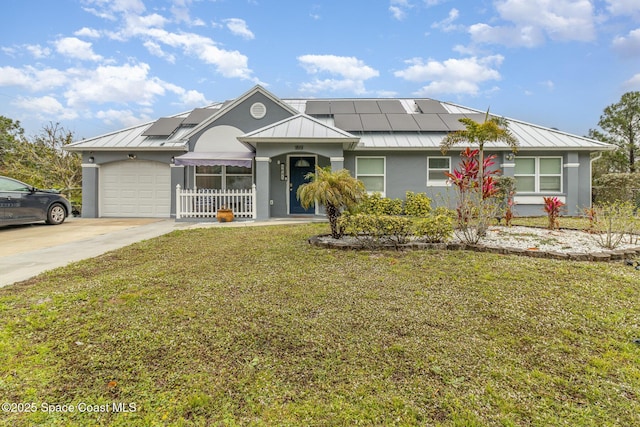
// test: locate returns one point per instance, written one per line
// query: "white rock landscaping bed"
(517, 240)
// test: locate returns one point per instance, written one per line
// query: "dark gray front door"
(299, 167)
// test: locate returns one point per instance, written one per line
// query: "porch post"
(337, 163)
(571, 184)
(177, 178)
(90, 189)
(262, 188)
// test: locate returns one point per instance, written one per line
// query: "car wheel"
(56, 215)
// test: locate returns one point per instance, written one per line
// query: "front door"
(299, 167)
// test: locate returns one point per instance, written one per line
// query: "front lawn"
(253, 326)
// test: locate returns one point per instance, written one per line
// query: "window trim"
(383, 175)
(537, 175)
(223, 176)
(438, 182)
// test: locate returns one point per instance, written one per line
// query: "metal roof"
(299, 127)
(138, 137)
(377, 123)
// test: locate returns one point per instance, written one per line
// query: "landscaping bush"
(434, 228)
(610, 222)
(375, 204)
(506, 190)
(417, 204)
(623, 187)
(376, 230)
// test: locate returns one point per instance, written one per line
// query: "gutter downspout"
(591, 175)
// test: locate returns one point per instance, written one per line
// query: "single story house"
(252, 153)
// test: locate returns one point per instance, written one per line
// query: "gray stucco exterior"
(273, 132)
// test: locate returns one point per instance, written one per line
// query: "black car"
(21, 203)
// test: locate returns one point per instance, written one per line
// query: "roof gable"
(299, 127)
(230, 106)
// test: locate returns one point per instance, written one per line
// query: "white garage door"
(135, 188)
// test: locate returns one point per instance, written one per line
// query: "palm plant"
(493, 129)
(335, 191)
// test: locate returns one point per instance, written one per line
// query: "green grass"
(253, 326)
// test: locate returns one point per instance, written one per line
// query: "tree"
(493, 129)
(620, 124)
(41, 162)
(11, 136)
(335, 191)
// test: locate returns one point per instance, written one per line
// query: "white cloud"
(73, 47)
(453, 76)
(156, 50)
(623, 7)
(31, 78)
(398, 9)
(46, 106)
(529, 22)
(193, 98)
(229, 63)
(119, 84)
(38, 51)
(87, 32)
(633, 83)
(108, 9)
(352, 73)
(239, 27)
(548, 84)
(346, 66)
(629, 45)
(125, 118)
(447, 24)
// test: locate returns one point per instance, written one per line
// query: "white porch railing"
(205, 202)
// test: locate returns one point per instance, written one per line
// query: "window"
(436, 169)
(371, 171)
(538, 174)
(223, 177)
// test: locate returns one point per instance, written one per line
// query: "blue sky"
(96, 66)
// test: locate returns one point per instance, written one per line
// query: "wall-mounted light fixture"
(173, 160)
(132, 156)
(510, 156)
(92, 159)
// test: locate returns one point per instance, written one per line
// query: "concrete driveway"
(28, 250)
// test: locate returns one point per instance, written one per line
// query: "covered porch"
(285, 153)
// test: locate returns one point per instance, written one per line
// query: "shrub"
(434, 228)
(623, 187)
(477, 206)
(611, 222)
(417, 204)
(375, 204)
(506, 190)
(553, 207)
(375, 230)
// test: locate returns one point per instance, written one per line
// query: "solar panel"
(342, 107)
(198, 115)
(348, 122)
(375, 122)
(429, 106)
(452, 121)
(477, 117)
(163, 127)
(402, 122)
(318, 107)
(391, 106)
(367, 107)
(430, 122)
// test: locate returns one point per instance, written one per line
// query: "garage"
(135, 188)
